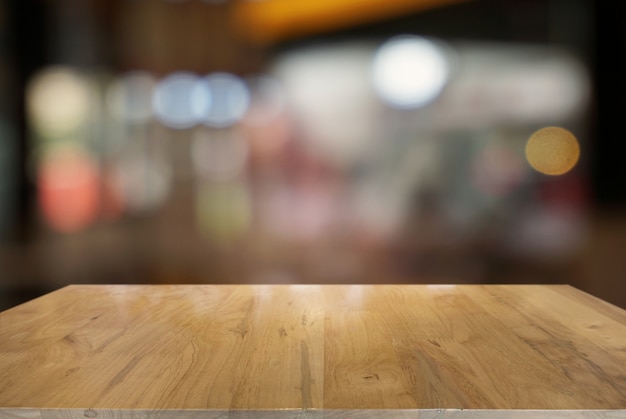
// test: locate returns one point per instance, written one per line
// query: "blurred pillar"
(25, 53)
(609, 145)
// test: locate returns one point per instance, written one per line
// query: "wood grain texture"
(119, 350)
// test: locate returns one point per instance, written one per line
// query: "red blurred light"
(68, 191)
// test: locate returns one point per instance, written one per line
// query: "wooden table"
(208, 351)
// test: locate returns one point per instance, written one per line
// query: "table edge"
(79, 413)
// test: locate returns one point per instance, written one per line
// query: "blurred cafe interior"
(302, 141)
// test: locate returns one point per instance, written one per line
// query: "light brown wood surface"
(99, 348)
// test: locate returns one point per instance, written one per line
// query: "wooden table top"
(283, 350)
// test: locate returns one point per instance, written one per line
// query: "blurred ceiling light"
(409, 72)
(271, 21)
(552, 151)
(181, 100)
(230, 100)
(129, 97)
(68, 189)
(218, 155)
(58, 101)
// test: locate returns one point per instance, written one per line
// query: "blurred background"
(301, 141)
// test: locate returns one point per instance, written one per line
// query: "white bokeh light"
(329, 91)
(409, 72)
(230, 100)
(130, 97)
(181, 100)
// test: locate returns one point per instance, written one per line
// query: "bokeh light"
(552, 150)
(223, 211)
(129, 97)
(58, 101)
(68, 188)
(181, 100)
(142, 181)
(230, 100)
(330, 98)
(218, 155)
(409, 72)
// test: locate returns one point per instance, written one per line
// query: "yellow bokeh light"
(552, 151)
